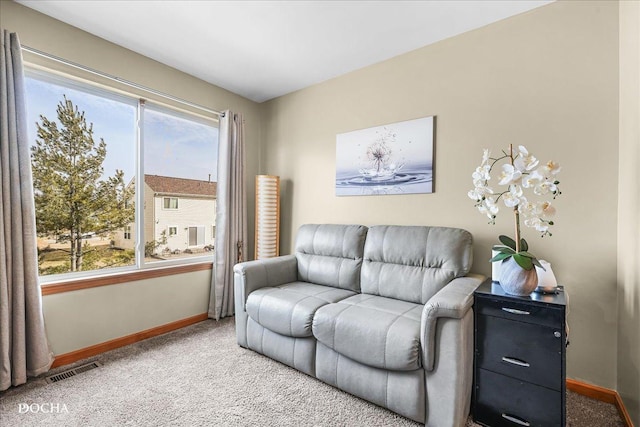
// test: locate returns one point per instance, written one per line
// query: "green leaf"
(524, 246)
(508, 241)
(523, 261)
(501, 248)
(537, 263)
(500, 257)
(527, 254)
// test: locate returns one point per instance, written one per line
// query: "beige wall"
(547, 79)
(629, 211)
(83, 318)
(80, 319)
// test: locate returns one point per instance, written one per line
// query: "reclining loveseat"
(383, 313)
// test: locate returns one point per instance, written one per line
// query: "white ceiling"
(264, 49)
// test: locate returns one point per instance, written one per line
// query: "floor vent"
(72, 372)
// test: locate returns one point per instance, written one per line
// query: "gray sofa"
(383, 313)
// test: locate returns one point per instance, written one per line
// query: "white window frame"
(198, 228)
(169, 231)
(170, 199)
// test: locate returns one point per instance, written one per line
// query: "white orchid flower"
(542, 227)
(547, 209)
(542, 188)
(532, 179)
(538, 224)
(519, 164)
(475, 194)
(512, 197)
(522, 171)
(481, 173)
(479, 192)
(527, 161)
(526, 208)
(509, 175)
(484, 210)
(486, 154)
(491, 206)
(488, 207)
(551, 168)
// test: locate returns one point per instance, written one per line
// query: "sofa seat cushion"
(376, 331)
(289, 309)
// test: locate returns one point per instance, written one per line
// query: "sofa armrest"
(252, 275)
(453, 301)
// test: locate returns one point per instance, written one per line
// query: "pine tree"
(71, 194)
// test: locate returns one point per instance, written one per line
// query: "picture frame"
(395, 158)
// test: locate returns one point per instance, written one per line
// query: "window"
(126, 147)
(196, 236)
(180, 164)
(171, 203)
(213, 232)
(81, 184)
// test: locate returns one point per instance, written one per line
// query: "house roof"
(168, 185)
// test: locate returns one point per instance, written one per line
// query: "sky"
(173, 145)
(186, 148)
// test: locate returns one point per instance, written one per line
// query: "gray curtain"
(24, 350)
(231, 218)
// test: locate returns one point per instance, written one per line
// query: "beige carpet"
(198, 376)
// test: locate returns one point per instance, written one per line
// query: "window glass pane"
(170, 203)
(180, 164)
(84, 161)
(200, 236)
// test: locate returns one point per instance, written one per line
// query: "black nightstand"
(519, 359)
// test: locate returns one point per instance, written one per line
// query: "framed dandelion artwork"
(391, 159)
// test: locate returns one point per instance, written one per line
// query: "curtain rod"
(119, 80)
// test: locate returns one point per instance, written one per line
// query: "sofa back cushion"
(413, 263)
(330, 254)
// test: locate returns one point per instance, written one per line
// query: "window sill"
(112, 279)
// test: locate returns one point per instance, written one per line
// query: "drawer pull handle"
(514, 311)
(516, 420)
(516, 362)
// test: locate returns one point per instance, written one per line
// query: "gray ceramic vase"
(515, 280)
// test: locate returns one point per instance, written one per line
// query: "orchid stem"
(516, 213)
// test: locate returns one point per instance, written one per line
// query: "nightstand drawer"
(521, 350)
(503, 401)
(521, 312)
